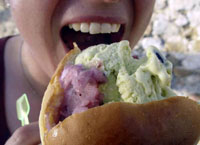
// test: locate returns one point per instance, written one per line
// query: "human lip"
(97, 19)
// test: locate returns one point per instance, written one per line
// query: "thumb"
(26, 135)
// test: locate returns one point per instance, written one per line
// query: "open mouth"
(89, 34)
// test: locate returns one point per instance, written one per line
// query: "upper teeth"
(95, 28)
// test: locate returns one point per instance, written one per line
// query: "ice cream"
(129, 80)
(86, 100)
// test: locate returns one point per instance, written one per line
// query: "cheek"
(142, 13)
(33, 19)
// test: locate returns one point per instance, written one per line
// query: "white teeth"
(76, 26)
(118, 27)
(70, 26)
(105, 28)
(115, 27)
(85, 27)
(95, 28)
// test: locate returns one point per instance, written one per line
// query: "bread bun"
(172, 121)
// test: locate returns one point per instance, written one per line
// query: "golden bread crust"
(54, 91)
(173, 121)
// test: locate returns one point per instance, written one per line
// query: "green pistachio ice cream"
(129, 80)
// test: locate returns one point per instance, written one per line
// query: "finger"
(27, 135)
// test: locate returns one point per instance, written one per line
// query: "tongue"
(84, 40)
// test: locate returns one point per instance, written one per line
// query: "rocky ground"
(175, 29)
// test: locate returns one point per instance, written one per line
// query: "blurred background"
(174, 29)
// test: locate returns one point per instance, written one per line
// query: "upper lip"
(98, 19)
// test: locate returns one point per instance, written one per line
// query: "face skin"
(40, 22)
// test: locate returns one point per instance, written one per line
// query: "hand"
(26, 135)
